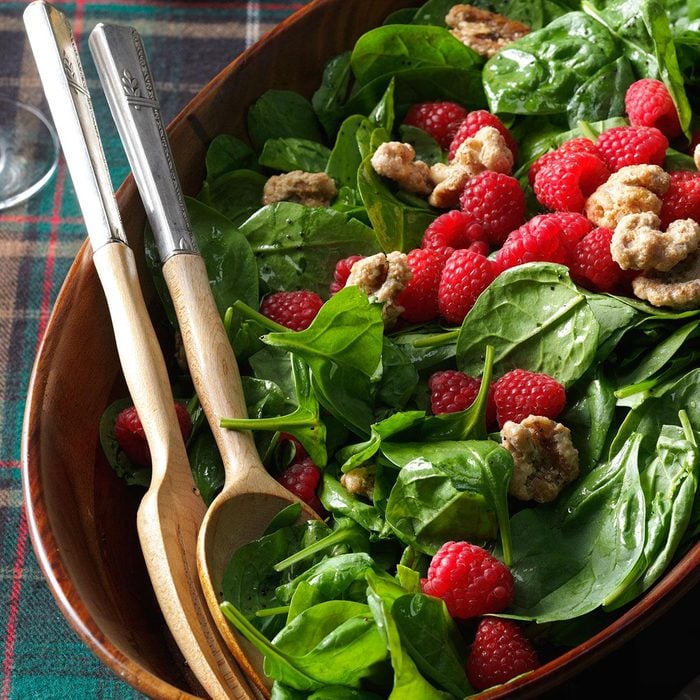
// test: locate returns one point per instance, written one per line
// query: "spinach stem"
(270, 612)
(247, 312)
(336, 537)
(437, 339)
(298, 419)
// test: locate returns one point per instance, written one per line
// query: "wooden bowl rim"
(675, 584)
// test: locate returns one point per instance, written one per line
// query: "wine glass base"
(28, 151)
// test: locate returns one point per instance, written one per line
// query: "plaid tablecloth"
(40, 656)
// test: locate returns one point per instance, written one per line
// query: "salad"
(462, 285)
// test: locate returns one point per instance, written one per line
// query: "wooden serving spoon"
(250, 497)
(171, 512)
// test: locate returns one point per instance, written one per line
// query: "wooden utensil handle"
(210, 358)
(139, 351)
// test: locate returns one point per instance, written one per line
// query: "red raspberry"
(299, 451)
(521, 393)
(302, 479)
(592, 265)
(420, 295)
(295, 310)
(496, 201)
(682, 199)
(466, 274)
(500, 651)
(440, 119)
(649, 103)
(452, 391)
(471, 581)
(342, 272)
(539, 240)
(632, 145)
(473, 122)
(453, 229)
(565, 180)
(580, 144)
(129, 433)
(574, 226)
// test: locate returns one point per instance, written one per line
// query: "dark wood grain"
(81, 517)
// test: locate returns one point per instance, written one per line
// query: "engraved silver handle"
(58, 62)
(129, 88)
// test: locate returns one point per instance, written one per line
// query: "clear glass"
(28, 151)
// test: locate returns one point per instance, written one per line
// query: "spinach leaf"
(408, 681)
(332, 93)
(535, 319)
(348, 330)
(236, 195)
(296, 247)
(399, 377)
(227, 153)
(449, 490)
(207, 465)
(433, 641)
(540, 72)
(669, 483)
(339, 501)
(384, 50)
(346, 157)
(282, 114)
(288, 154)
(426, 147)
(568, 558)
(335, 643)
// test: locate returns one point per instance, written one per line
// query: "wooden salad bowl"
(82, 517)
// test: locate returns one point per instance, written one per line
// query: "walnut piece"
(639, 244)
(396, 161)
(679, 288)
(382, 277)
(359, 481)
(544, 457)
(483, 31)
(309, 189)
(486, 150)
(631, 190)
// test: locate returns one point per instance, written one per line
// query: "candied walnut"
(309, 189)
(382, 277)
(483, 31)
(679, 288)
(397, 161)
(544, 457)
(359, 481)
(639, 244)
(631, 190)
(486, 150)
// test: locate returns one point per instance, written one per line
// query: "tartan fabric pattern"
(40, 656)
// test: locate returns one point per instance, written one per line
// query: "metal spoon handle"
(126, 79)
(58, 62)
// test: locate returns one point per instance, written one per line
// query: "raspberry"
(521, 393)
(649, 103)
(592, 265)
(302, 478)
(298, 448)
(420, 295)
(682, 199)
(574, 226)
(466, 274)
(295, 310)
(565, 180)
(471, 581)
(539, 240)
(500, 651)
(452, 391)
(129, 433)
(453, 229)
(342, 272)
(473, 122)
(496, 201)
(580, 144)
(632, 145)
(439, 119)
